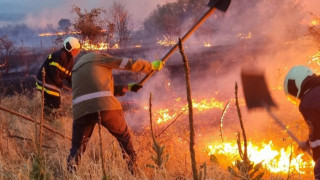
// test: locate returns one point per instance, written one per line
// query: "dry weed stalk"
(159, 158)
(189, 98)
(246, 170)
(42, 110)
(101, 150)
(38, 170)
(221, 120)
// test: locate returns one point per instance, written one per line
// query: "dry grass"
(17, 147)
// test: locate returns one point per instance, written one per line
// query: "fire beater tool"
(222, 5)
(257, 95)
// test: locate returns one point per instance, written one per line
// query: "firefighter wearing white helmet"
(301, 83)
(58, 66)
(71, 43)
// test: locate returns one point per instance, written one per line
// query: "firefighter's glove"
(134, 87)
(157, 65)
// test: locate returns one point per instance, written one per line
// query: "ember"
(315, 59)
(245, 36)
(207, 44)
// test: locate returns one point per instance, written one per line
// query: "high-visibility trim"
(124, 62)
(91, 96)
(50, 56)
(314, 143)
(48, 85)
(59, 67)
(53, 93)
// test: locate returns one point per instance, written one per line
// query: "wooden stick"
(32, 120)
(183, 39)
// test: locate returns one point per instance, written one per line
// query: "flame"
(275, 161)
(164, 115)
(315, 22)
(100, 46)
(57, 34)
(245, 36)
(138, 46)
(116, 46)
(315, 60)
(207, 44)
(167, 41)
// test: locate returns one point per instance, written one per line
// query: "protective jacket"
(58, 66)
(93, 86)
(310, 109)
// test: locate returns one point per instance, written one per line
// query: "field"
(18, 147)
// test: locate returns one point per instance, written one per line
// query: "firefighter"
(303, 86)
(58, 66)
(94, 91)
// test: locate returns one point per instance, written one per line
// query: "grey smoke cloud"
(37, 13)
(278, 42)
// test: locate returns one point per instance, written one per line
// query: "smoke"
(266, 34)
(269, 36)
(38, 15)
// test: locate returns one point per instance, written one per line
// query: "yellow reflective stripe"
(60, 67)
(47, 91)
(68, 73)
(49, 56)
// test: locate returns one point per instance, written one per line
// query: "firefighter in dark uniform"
(93, 90)
(58, 66)
(303, 85)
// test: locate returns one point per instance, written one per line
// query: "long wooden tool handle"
(184, 38)
(32, 120)
(285, 128)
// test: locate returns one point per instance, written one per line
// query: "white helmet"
(71, 43)
(294, 78)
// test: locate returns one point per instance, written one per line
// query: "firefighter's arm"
(135, 65)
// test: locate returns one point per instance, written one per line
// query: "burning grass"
(17, 145)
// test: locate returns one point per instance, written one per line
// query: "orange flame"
(315, 22)
(167, 41)
(164, 115)
(315, 59)
(275, 161)
(57, 34)
(100, 46)
(207, 44)
(245, 36)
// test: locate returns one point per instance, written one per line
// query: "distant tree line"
(115, 25)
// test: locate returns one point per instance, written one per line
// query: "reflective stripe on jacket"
(49, 89)
(58, 67)
(93, 87)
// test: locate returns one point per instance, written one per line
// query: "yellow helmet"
(294, 78)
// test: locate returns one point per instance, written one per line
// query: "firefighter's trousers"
(112, 120)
